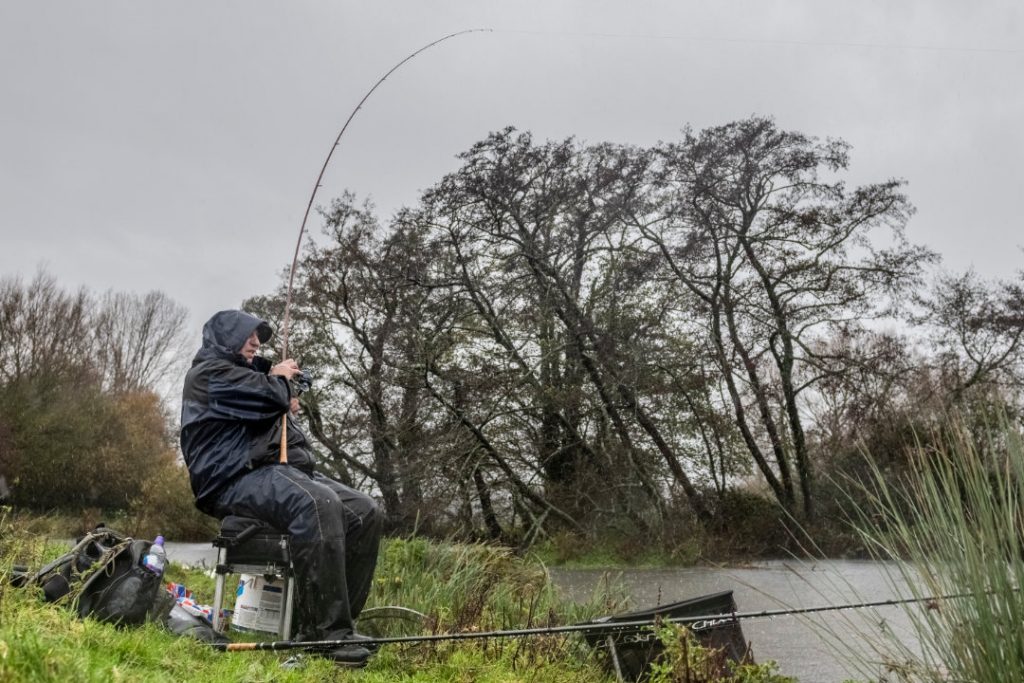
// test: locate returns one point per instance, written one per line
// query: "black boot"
(353, 656)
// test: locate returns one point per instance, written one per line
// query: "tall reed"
(954, 526)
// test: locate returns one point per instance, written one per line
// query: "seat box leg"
(289, 606)
(218, 591)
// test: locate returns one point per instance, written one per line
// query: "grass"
(954, 526)
(459, 587)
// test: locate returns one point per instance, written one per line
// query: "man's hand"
(287, 368)
(295, 406)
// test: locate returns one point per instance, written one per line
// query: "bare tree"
(45, 332)
(976, 329)
(139, 341)
(550, 218)
(774, 256)
(355, 322)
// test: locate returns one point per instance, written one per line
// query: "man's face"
(250, 347)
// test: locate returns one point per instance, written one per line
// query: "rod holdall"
(103, 578)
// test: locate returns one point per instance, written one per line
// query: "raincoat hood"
(226, 332)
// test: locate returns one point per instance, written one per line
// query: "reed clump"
(954, 526)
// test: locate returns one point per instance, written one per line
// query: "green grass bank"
(459, 587)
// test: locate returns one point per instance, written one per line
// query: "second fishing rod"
(696, 624)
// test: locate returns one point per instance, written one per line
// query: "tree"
(355, 321)
(976, 330)
(540, 226)
(67, 438)
(45, 332)
(139, 340)
(773, 257)
(562, 332)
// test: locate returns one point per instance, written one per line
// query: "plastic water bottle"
(156, 558)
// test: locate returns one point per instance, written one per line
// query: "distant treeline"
(82, 427)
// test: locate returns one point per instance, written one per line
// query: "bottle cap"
(159, 540)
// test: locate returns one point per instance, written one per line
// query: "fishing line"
(323, 169)
(695, 623)
(312, 197)
(769, 41)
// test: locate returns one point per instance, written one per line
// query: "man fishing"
(232, 411)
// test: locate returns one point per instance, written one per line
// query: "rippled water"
(794, 642)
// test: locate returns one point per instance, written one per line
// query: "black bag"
(104, 577)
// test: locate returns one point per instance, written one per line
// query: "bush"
(749, 524)
(674, 543)
(73, 447)
(165, 505)
(745, 524)
(684, 660)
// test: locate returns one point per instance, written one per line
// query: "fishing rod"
(697, 624)
(309, 206)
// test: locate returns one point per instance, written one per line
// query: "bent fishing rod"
(309, 206)
(696, 624)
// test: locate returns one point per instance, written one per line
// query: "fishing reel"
(302, 382)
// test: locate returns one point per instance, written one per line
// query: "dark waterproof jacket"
(231, 410)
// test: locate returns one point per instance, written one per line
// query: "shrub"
(73, 447)
(165, 505)
(749, 524)
(684, 660)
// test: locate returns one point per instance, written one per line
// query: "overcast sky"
(174, 145)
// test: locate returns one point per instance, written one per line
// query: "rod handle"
(284, 440)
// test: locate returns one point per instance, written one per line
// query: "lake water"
(796, 643)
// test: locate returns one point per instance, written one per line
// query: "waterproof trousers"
(335, 532)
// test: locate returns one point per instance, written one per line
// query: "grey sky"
(173, 145)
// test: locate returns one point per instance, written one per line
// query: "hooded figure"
(232, 408)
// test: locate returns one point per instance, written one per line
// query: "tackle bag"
(103, 575)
